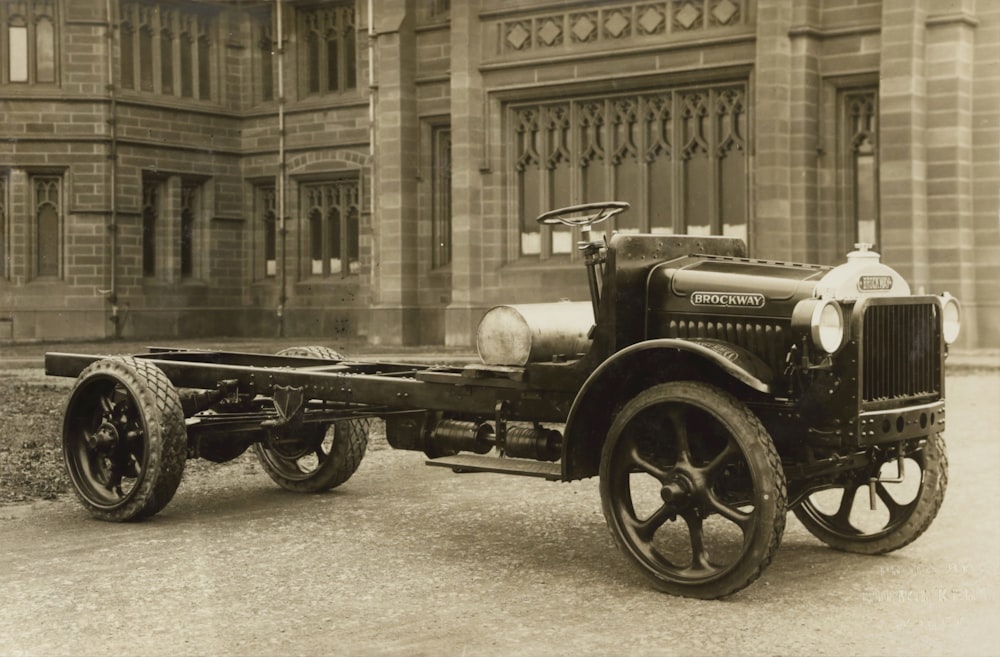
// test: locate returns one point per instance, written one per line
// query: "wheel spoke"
(679, 426)
(840, 521)
(646, 529)
(724, 457)
(843, 514)
(89, 438)
(741, 519)
(114, 482)
(699, 555)
(107, 405)
(94, 470)
(897, 511)
(636, 459)
(133, 466)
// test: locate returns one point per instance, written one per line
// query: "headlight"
(828, 326)
(951, 318)
(823, 320)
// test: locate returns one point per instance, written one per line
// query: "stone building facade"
(346, 168)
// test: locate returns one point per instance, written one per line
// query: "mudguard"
(651, 361)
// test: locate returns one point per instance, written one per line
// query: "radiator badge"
(874, 283)
(728, 299)
(729, 354)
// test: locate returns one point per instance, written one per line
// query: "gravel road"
(410, 560)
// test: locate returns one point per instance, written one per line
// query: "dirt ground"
(410, 560)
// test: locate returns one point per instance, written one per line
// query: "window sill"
(184, 283)
(327, 100)
(532, 263)
(47, 281)
(152, 98)
(353, 279)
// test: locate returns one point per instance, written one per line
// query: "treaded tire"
(334, 462)
(701, 458)
(324, 353)
(124, 439)
(912, 518)
(336, 449)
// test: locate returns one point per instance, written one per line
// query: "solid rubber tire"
(350, 443)
(933, 483)
(760, 454)
(164, 440)
(348, 449)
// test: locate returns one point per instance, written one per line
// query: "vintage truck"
(710, 392)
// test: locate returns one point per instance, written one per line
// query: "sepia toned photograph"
(499, 328)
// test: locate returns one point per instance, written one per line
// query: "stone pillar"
(950, 216)
(805, 232)
(468, 131)
(168, 232)
(902, 145)
(19, 228)
(984, 307)
(774, 232)
(394, 317)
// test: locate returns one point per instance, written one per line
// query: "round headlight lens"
(951, 318)
(828, 326)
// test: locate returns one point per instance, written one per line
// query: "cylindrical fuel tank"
(530, 333)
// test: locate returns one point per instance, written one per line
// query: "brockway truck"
(710, 392)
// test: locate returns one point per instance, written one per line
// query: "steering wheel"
(583, 215)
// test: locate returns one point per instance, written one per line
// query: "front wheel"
(692, 489)
(124, 439)
(904, 509)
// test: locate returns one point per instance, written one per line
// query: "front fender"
(636, 368)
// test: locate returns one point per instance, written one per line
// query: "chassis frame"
(699, 454)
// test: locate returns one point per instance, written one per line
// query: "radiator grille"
(901, 354)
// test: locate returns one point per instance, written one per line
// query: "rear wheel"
(317, 457)
(324, 353)
(124, 439)
(905, 509)
(320, 457)
(692, 489)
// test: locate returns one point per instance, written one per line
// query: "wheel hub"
(678, 490)
(105, 438)
(296, 446)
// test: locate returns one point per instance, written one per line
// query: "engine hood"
(731, 286)
(716, 285)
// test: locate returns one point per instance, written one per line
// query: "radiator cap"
(862, 275)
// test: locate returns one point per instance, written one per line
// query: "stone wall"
(932, 66)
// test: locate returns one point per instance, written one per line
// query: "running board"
(476, 463)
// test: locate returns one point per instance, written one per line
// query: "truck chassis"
(701, 446)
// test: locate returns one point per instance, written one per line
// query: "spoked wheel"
(124, 440)
(320, 457)
(692, 489)
(844, 520)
